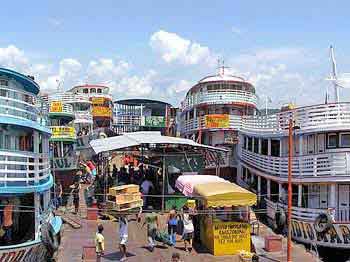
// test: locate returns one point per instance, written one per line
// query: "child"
(123, 235)
(99, 241)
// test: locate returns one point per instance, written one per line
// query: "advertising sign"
(217, 121)
(101, 111)
(153, 121)
(63, 131)
(231, 237)
(97, 100)
(56, 107)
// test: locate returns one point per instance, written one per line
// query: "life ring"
(280, 218)
(49, 238)
(323, 222)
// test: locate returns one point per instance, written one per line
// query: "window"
(344, 139)
(92, 90)
(99, 90)
(85, 91)
(4, 82)
(332, 140)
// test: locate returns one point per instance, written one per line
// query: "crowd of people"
(177, 223)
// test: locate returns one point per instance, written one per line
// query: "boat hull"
(28, 252)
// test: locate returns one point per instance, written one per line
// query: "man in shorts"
(123, 235)
(151, 219)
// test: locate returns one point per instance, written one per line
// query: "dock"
(79, 241)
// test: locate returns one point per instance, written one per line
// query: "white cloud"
(236, 30)
(69, 66)
(13, 58)
(174, 48)
(180, 86)
(55, 22)
(107, 68)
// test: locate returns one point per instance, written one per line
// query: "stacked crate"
(124, 197)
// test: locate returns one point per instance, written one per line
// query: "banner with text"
(101, 111)
(56, 107)
(97, 100)
(231, 237)
(63, 131)
(153, 121)
(217, 121)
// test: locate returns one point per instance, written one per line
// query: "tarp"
(185, 183)
(139, 138)
(220, 194)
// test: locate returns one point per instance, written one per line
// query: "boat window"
(332, 140)
(85, 91)
(275, 147)
(92, 90)
(256, 145)
(3, 92)
(99, 90)
(250, 143)
(4, 82)
(344, 139)
(264, 146)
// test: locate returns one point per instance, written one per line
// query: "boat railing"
(23, 168)
(83, 116)
(317, 165)
(298, 213)
(220, 97)
(70, 98)
(311, 118)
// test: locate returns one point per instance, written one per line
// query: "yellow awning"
(224, 194)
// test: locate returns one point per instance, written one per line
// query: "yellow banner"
(217, 121)
(231, 237)
(98, 100)
(56, 107)
(101, 111)
(63, 131)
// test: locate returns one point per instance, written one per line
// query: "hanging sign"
(153, 121)
(217, 121)
(63, 132)
(56, 107)
(98, 100)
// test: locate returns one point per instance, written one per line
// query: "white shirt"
(145, 186)
(123, 227)
(188, 225)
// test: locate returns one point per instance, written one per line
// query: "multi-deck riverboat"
(211, 114)
(25, 178)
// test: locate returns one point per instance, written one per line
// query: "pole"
(163, 190)
(289, 218)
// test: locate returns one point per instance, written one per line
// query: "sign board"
(63, 132)
(153, 121)
(56, 107)
(98, 100)
(217, 121)
(231, 237)
(101, 111)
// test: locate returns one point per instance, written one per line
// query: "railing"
(310, 118)
(83, 117)
(64, 163)
(317, 165)
(199, 123)
(220, 97)
(17, 104)
(69, 98)
(133, 120)
(298, 213)
(63, 132)
(23, 169)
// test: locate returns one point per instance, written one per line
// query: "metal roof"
(28, 84)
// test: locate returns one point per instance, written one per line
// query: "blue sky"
(159, 49)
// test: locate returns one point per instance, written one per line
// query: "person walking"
(146, 188)
(172, 225)
(151, 219)
(75, 193)
(123, 235)
(8, 221)
(99, 241)
(58, 193)
(188, 229)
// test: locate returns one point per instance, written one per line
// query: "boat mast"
(334, 74)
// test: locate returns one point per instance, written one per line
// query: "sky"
(160, 49)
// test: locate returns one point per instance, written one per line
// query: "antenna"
(334, 74)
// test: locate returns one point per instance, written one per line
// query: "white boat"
(25, 177)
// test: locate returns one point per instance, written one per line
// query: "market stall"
(223, 212)
(170, 156)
